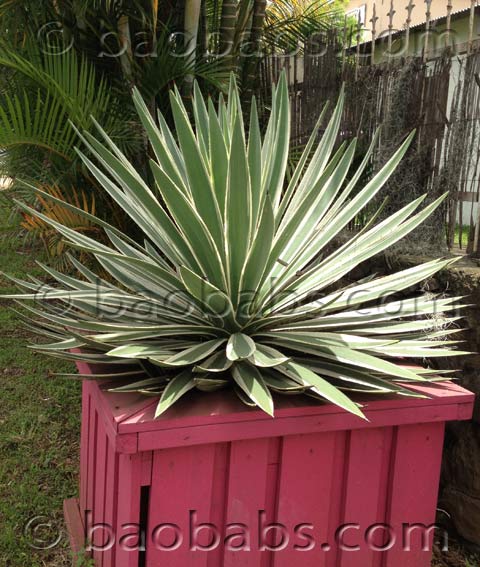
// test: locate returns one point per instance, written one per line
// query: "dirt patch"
(455, 557)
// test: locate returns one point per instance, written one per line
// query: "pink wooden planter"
(328, 479)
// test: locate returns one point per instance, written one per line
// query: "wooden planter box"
(331, 481)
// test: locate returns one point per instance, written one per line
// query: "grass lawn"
(464, 234)
(39, 434)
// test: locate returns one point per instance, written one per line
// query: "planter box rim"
(220, 416)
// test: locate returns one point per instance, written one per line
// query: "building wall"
(436, 42)
(438, 9)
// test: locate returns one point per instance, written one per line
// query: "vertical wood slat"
(128, 510)
(99, 496)
(111, 495)
(373, 21)
(448, 26)
(306, 477)
(147, 465)
(182, 484)
(84, 445)
(390, 14)
(385, 486)
(221, 469)
(272, 488)
(365, 491)
(428, 15)
(344, 45)
(408, 21)
(471, 21)
(416, 463)
(91, 459)
(337, 496)
(249, 498)
(357, 51)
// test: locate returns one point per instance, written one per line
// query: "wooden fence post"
(344, 44)
(428, 16)
(391, 13)
(409, 9)
(473, 4)
(448, 30)
(373, 20)
(357, 56)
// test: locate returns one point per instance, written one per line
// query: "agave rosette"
(236, 283)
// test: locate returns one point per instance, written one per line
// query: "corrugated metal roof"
(454, 14)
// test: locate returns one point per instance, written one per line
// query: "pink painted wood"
(223, 485)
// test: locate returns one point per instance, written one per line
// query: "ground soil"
(456, 556)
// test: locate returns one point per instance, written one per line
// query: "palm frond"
(289, 24)
(56, 96)
(53, 242)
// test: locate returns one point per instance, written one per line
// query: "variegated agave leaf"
(232, 286)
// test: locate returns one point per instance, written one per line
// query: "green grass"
(464, 234)
(39, 431)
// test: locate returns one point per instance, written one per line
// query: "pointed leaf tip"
(251, 382)
(240, 346)
(175, 389)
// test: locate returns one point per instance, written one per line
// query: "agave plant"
(237, 282)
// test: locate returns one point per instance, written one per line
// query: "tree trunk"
(191, 24)
(126, 47)
(202, 46)
(154, 15)
(227, 29)
(250, 66)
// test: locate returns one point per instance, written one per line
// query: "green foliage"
(289, 24)
(462, 235)
(37, 471)
(46, 99)
(238, 284)
(64, 66)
